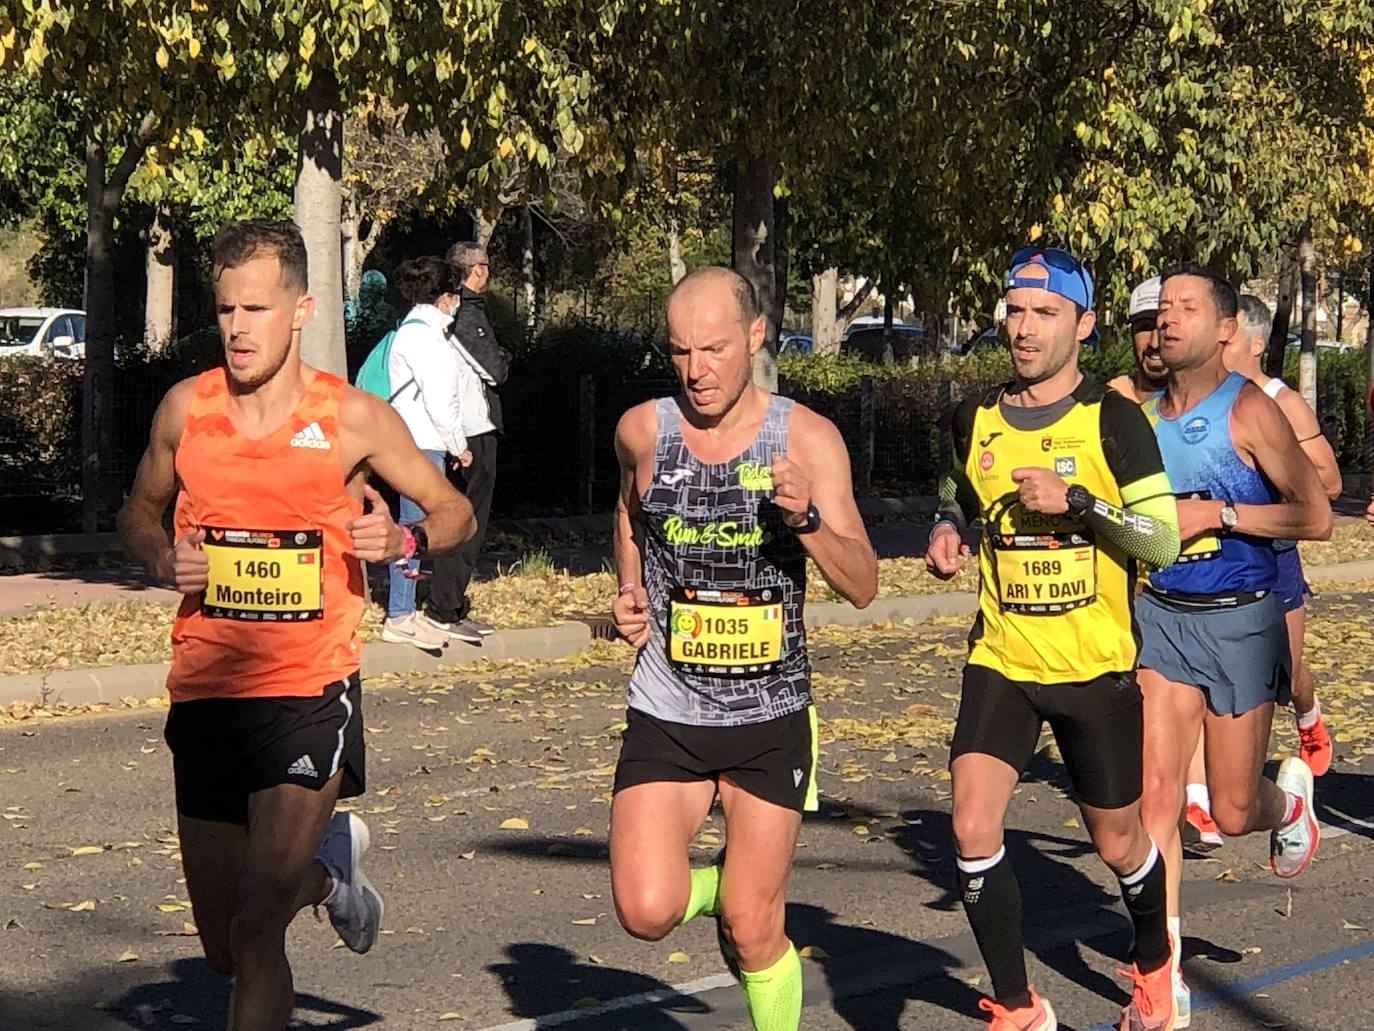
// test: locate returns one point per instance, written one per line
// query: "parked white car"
(43, 332)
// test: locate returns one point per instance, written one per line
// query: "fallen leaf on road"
(452, 1016)
(515, 823)
(1225, 875)
(88, 850)
(1346, 925)
(1072, 821)
(812, 952)
(467, 855)
(82, 907)
(588, 922)
(678, 957)
(182, 1018)
(127, 956)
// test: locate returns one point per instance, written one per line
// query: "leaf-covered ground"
(54, 638)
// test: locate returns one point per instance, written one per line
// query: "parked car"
(43, 332)
(866, 322)
(792, 342)
(871, 343)
(989, 339)
(1295, 342)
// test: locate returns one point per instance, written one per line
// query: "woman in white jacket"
(427, 388)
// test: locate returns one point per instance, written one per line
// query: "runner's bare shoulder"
(637, 430)
(172, 411)
(812, 433)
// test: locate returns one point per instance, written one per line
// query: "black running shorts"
(774, 760)
(225, 749)
(1098, 725)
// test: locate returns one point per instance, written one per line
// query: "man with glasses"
(1068, 481)
(449, 609)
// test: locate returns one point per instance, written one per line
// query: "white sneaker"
(1183, 1001)
(355, 907)
(1292, 847)
(412, 629)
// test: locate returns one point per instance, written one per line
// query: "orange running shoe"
(1152, 1006)
(1038, 1016)
(1209, 837)
(1314, 745)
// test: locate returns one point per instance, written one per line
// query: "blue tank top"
(1202, 462)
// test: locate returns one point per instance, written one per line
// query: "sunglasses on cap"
(1067, 275)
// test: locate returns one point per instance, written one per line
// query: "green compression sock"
(705, 893)
(774, 996)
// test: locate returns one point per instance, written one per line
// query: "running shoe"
(1152, 1006)
(478, 627)
(1314, 745)
(355, 907)
(1038, 1016)
(411, 629)
(1183, 1001)
(1201, 821)
(1292, 846)
(458, 631)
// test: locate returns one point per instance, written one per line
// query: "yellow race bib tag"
(1045, 573)
(267, 576)
(1204, 546)
(725, 633)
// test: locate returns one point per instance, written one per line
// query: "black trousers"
(448, 586)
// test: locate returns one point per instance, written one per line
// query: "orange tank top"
(280, 616)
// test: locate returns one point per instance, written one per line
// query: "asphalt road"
(492, 928)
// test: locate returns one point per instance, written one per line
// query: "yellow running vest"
(1055, 603)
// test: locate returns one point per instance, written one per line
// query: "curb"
(112, 683)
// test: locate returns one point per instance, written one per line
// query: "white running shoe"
(355, 908)
(1183, 1001)
(412, 629)
(1292, 847)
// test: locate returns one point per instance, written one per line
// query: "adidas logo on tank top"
(311, 436)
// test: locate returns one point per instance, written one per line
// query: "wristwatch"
(1229, 517)
(1079, 499)
(812, 524)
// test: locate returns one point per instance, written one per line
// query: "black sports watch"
(421, 536)
(812, 524)
(1079, 499)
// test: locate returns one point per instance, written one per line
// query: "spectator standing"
(486, 364)
(426, 385)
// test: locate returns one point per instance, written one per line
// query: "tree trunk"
(527, 271)
(1340, 306)
(1283, 311)
(483, 227)
(99, 488)
(318, 209)
(1307, 358)
(159, 304)
(825, 327)
(856, 302)
(677, 268)
(752, 255)
(351, 230)
(1369, 367)
(782, 254)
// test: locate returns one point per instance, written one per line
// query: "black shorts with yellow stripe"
(774, 760)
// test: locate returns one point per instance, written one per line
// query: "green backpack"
(375, 374)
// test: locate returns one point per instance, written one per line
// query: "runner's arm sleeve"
(958, 502)
(1145, 527)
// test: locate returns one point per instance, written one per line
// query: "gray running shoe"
(452, 631)
(478, 627)
(356, 908)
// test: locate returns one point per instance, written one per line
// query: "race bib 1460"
(264, 575)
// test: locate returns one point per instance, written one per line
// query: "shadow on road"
(540, 979)
(861, 963)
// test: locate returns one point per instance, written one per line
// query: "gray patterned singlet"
(714, 528)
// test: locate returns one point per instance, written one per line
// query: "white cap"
(1145, 298)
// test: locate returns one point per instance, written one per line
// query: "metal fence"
(557, 456)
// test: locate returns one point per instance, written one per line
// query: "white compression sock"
(1197, 795)
(1307, 720)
